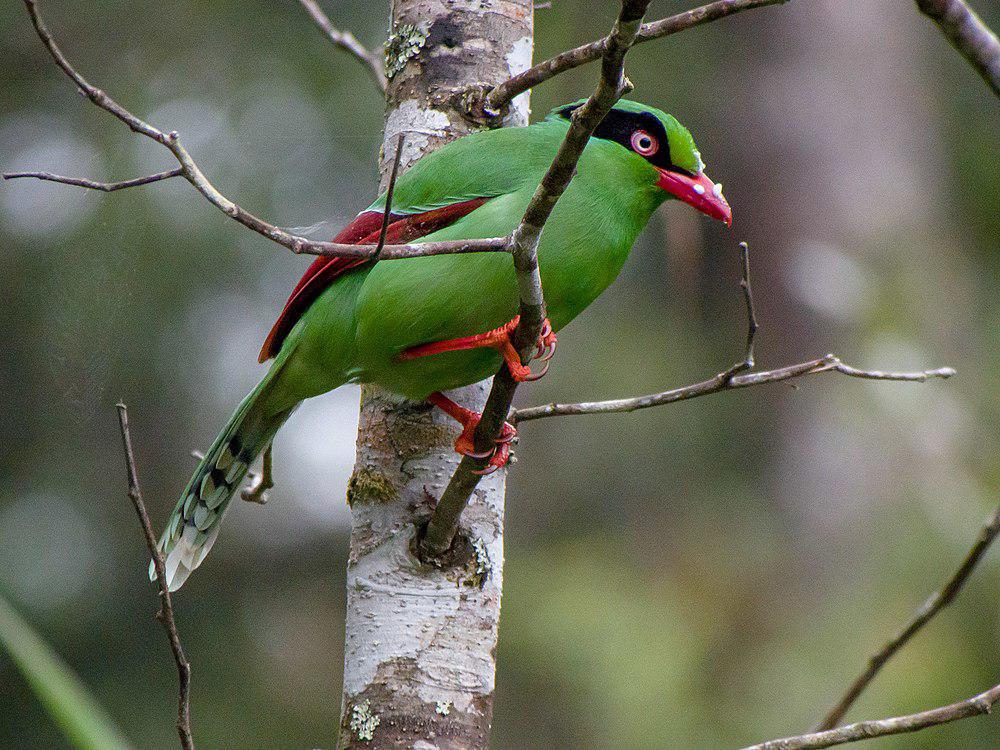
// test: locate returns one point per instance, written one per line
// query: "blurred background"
(703, 575)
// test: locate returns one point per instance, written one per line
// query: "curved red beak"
(698, 191)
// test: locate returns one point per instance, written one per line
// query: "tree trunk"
(420, 642)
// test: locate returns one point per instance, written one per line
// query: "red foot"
(469, 419)
(499, 339)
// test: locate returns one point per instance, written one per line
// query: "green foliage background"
(698, 576)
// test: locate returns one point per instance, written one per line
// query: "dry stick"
(586, 53)
(524, 248)
(190, 171)
(347, 42)
(729, 379)
(387, 213)
(106, 187)
(865, 730)
(969, 35)
(166, 612)
(748, 360)
(934, 604)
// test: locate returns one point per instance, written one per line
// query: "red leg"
(469, 419)
(499, 339)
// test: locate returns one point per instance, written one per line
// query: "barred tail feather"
(194, 523)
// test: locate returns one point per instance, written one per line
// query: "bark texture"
(420, 642)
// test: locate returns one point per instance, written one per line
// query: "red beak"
(698, 191)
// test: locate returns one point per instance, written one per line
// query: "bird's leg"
(256, 491)
(499, 339)
(469, 419)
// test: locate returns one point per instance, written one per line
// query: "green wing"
(480, 165)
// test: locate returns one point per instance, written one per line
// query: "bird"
(420, 326)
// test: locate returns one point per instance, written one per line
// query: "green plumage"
(355, 330)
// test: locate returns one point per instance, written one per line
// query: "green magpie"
(420, 326)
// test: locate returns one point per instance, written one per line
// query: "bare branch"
(543, 71)
(190, 171)
(969, 35)
(106, 187)
(166, 612)
(347, 42)
(524, 247)
(724, 381)
(865, 730)
(95, 95)
(934, 604)
(729, 379)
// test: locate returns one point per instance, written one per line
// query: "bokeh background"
(703, 575)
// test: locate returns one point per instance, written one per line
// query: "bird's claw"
(497, 455)
(545, 348)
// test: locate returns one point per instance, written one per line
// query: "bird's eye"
(644, 144)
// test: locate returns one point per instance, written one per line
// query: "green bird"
(421, 326)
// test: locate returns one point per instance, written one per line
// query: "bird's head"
(666, 145)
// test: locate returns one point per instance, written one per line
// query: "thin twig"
(934, 604)
(524, 248)
(166, 612)
(106, 187)
(543, 71)
(747, 362)
(866, 730)
(190, 171)
(969, 35)
(387, 213)
(347, 42)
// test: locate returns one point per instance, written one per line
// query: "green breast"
(582, 249)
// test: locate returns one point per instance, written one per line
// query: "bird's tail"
(194, 524)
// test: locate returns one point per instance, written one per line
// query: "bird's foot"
(498, 455)
(545, 348)
(499, 339)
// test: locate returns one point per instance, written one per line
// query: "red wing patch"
(364, 230)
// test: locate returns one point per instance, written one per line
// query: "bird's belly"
(407, 303)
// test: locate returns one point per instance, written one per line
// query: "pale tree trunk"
(420, 642)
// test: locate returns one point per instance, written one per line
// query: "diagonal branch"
(387, 213)
(543, 71)
(524, 247)
(346, 41)
(969, 35)
(934, 604)
(865, 730)
(190, 171)
(166, 612)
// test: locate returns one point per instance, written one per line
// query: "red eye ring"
(644, 144)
